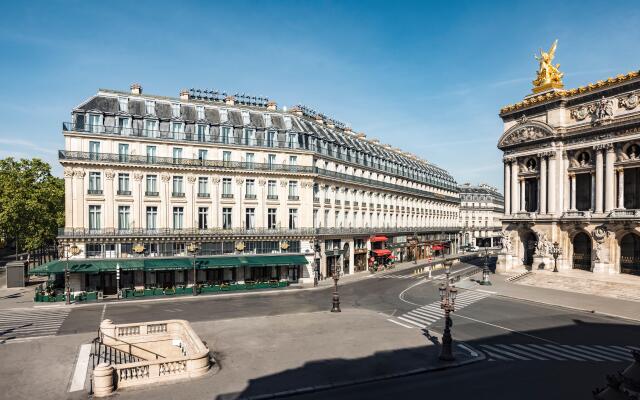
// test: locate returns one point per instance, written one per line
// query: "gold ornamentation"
(240, 246)
(549, 77)
(284, 245)
(138, 248)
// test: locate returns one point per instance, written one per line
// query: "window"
(178, 189)
(200, 113)
(150, 107)
(123, 104)
(271, 218)
(203, 183)
(315, 218)
(152, 217)
(175, 110)
(150, 128)
(226, 156)
(94, 123)
(123, 126)
(226, 218)
(123, 152)
(336, 218)
(250, 218)
(152, 185)
(271, 160)
(202, 133)
(226, 188)
(151, 154)
(203, 213)
(95, 217)
(250, 159)
(271, 138)
(177, 155)
(202, 155)
(95, 183)
(326, 218)
(250, 189)
(123, 184)
(226, 135)
(249, 137)
(293, 218)
(178, 217)
(292, 140)
(272, 192)
(94, 150)
(123, 217)
(177, 130)
(293, 160)
(293, 190)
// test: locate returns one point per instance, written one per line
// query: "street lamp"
(66, 250)
(336, 296)
(555, 252)
(193, 249)
(448, 294)
(485, 269)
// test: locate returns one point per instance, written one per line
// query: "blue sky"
(428, 77)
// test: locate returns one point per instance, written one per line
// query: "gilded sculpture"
(548, 76)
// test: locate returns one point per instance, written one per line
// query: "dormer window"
(177, 129)
(175, 110)
(200, 113)
(150, 107)
(94, 123)
(245, 118)
(123, 104)
(224, 116)
(267, 120)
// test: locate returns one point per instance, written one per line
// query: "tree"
(31, 203)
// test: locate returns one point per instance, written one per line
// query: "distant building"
(481, 211)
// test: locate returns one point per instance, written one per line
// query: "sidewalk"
(569, 296)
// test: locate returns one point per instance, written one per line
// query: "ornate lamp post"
(66, 250)
(193, 250)
(336, 296)
(448, 294)
(555, 252)
(485, 268)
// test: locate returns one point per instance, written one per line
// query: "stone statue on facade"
(506, 242)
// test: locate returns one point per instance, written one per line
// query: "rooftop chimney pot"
(136, 89)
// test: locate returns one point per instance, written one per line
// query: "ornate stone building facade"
(241, 178)
(572, 176)
(481, 211)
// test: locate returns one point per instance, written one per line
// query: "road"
(533, 351)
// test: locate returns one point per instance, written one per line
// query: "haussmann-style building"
(264, 193)
(481, 211)
(572, 174)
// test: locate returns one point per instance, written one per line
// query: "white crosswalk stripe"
(427, 315)
(394, 276)
(26, 323)
(553, 352)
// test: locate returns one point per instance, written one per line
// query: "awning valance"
(378, 238)
(381, 252)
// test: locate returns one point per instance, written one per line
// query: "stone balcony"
(164, 352)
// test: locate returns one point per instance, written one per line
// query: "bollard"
(103, 380)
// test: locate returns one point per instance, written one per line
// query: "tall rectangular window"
(94, 123)
(271, 218)
(150, 128)
(178, 189)
(226, 156)
(226, 135)
(177, 130)
(226, 187)
(151, 154)
(203, 186)
(293, 190)
(95, 182)
(315, 218)
(292, 140)
(178, 217)
(94, 150)
(272, 192)
(177, 155)
(152, 217)
(326, 218)
(250, 158)
(249, 137)
(251, 188)
(271, 138)
(203, 218)
(95, 217)
(123, 126)
(293, 160)
(202, 155)
(226, 218)
(152, 185)
(250, 218)
(123, 152)
(293, 218)
(123, 184)
(123, 217)
(201, 133)
(271, 160)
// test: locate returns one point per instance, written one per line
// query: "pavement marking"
(104, 309)
(424, 316)
(399, 323)
(15, 324)
(485, 291)
(505, 328)
(80, 373)
(473, 353)
(555, 352)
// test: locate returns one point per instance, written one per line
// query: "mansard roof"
(106, 102)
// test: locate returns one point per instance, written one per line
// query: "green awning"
(153, 264)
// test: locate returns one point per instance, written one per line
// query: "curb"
(363, 381)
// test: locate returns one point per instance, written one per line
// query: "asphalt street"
(532, 350)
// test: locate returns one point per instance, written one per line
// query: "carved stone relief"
(630, 102)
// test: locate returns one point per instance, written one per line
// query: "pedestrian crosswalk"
(395, 276)
(30, 322)
(424, 316)
(558, 352)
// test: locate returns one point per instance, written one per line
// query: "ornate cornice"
(530, 131)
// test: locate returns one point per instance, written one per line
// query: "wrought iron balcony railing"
(250, 196)
(124, 192)
(227, 195)
(94, 191)
(294, 198)
(272, 197)
(177, 194)
(151, 194)
(204, 195)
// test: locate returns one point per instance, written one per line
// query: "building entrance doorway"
(582, 251)
(529, 244)
(109, 285)
(630, 254)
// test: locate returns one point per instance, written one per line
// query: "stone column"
(191, 209)
(110, 213)
(553, 171)
(261, 218)
(609, 183)
(543, 185)
(80, 218)
(240, 202)
(515, 200)
(621, 188)
(572, 177)
(215, 203)
(507, 187)
(165, 211)
(68, 198)
(522, 196)
(138, 205)
(599, 180)
(565, 203)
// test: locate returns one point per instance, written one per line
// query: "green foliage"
(31, 203)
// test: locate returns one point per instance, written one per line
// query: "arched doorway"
(529, 242)
(630, 254)
(582, 251)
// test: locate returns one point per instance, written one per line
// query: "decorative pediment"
(525, 131)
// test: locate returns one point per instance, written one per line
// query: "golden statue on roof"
(549, 77)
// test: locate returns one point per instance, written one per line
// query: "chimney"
(229, 100)
(348, 130)
(296, 111)
(319, 120)
(375, 141)
(361, 135)
(184, 95)
(136, 89)
(330, 125)
(272, 105)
